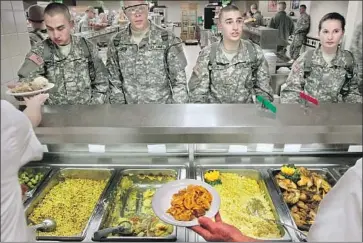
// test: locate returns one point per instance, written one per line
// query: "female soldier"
(327, 73)
(232, 70)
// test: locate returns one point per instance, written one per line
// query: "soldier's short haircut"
(283, 4)
(254, 6)
(228, 8)
(303, 6)
(332, 16)
(57, 8)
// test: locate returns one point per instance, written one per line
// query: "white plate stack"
(271, 59)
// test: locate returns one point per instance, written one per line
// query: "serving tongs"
(124, 229)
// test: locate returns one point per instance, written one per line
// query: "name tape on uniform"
(156, 148)
(237, 149)
(96, 148)
(290, 148)
(264, 147)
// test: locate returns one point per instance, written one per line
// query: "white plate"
(162, 199)
(48, 87)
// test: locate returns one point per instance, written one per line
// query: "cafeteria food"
(302, 191)
(70, 203)
(237, 193)
(190, 203)
(37, 84)
(132, 203)
(29, 179)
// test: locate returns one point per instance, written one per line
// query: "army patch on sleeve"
(36, 59)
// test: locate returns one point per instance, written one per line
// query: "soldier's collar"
(220, 57)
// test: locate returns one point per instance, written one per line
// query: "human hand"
(36, 101)
(219, 231)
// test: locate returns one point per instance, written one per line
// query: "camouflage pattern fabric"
(356, 49)
(284, 25)
(259, 18)
(37, 36)
(323, 83)
(229, 82)
(70, 74)
(138, 73)
(302, 29)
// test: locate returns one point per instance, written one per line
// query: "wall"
(14, 42)
(174, 10)
(354, 17)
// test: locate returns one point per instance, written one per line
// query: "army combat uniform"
(356, 49)
(259, 18)
(79, 78)
(151, 72)
(222, 81)
(324, 83)
(37, 36)
(302, 29)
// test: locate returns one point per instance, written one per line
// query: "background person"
(302, 29)
(36, 19)
(284, 25)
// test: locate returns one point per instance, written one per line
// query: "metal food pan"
(140, 185)
(327, 175)
(45, 170)
(256, 175)
(71, 173)
(341, 171)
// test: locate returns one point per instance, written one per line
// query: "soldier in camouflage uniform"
(70, 62)
(328, 73)
(146, 62)
(302, 29)
(256, 14)
(356, 49)
(225, 71)
(36, 19)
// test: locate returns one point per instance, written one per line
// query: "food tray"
(45, 171)
(71, 173)
(256, 175)
(341, 171)
(321, 171)
(140, 185)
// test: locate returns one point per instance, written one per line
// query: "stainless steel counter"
(197, 123)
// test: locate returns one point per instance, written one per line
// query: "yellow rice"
(235, 192)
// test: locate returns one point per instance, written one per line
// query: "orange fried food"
(190, 203)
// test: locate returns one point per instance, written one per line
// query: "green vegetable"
(295, 177)
(214, 183)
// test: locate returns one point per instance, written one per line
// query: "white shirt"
(19, 145)
(339, 217)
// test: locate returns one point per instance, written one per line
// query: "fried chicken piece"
(292, 196)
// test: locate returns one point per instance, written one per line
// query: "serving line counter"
(187, 141)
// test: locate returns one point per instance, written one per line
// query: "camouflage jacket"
(37, 36)
(324, 82)
(229, 82)
(138, 72)
(71, 74)
(303, 25)
(259, 18)
(356, 49)
(284, 25)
